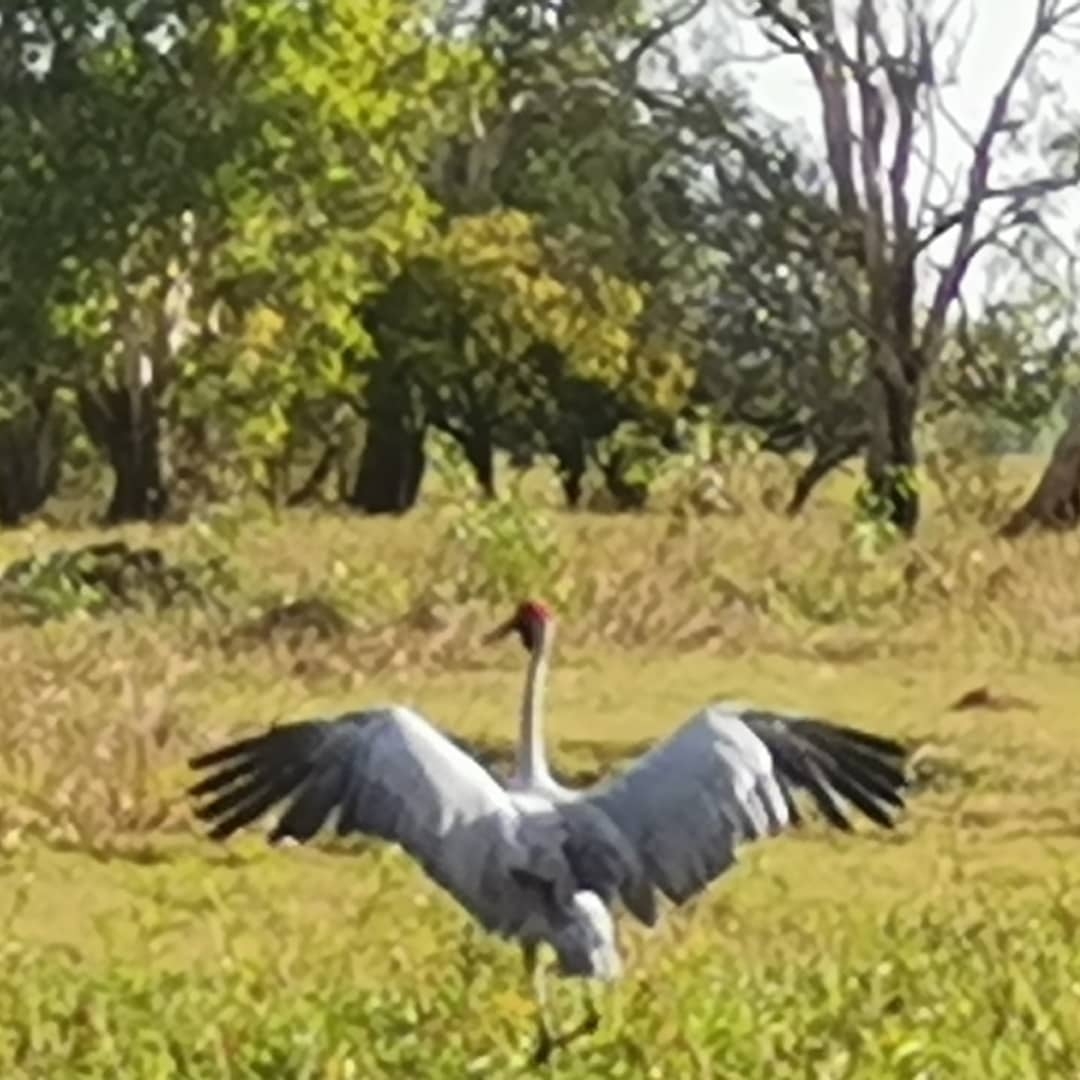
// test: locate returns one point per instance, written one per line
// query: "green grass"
(134, 948)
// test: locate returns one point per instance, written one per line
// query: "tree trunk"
(127, 425)
(890, 452)
(628, 494)
(826, 458)
(473, 433)
(30, 460)
(571, 464)
(1055, 502)
(392, 464)
(480, 454)
(391, 467)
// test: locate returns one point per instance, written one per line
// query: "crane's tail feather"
(585, 944)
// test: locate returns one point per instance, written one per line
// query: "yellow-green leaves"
(522, 288)
(354, 95)
(298, 144)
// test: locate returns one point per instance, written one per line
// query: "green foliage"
(93, 580)
(270, 179)
(498, 550)
(502, 319)
(919, 989)
(505, 274)
(332, 113)
(332, 203)
(1010, 367)
(873, 531)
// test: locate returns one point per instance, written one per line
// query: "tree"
(548, 218)
(876, 75)
(271, 182)
(731, 228)
(328, 204)
(607, 178)
(33, 239)
(780, 354)
(496, 316)
(86, 212)
(1055, 502)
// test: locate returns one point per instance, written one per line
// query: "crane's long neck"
(532, 766)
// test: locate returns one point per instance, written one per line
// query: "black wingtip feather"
(823, 758)
(218, 780)
(878, 744)
(225, 753)
(851, 790)
(249, 776)
(310, 810)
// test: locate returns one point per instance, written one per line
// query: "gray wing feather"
(728, 776)
(604, 861)
(386, 773)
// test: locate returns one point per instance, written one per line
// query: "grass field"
(132, 948)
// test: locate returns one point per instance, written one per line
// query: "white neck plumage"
(532, 766)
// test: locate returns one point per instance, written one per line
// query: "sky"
(991, 32)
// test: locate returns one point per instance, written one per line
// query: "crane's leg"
(588, 1025)
(545, 1042)
(592, 1011)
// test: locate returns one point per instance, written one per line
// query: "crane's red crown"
(528, 622)
(533, 611)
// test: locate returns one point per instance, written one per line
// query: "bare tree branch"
(816, 40)
(1023, 192)
(1049, 15)
(663, 28)
(902, 79)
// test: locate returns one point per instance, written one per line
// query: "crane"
(532, 860)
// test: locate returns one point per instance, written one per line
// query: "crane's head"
(530, 621)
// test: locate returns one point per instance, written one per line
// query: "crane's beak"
(500, 631)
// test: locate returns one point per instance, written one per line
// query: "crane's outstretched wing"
(386, 773)
(728, 776)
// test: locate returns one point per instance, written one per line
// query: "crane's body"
(533, 860)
